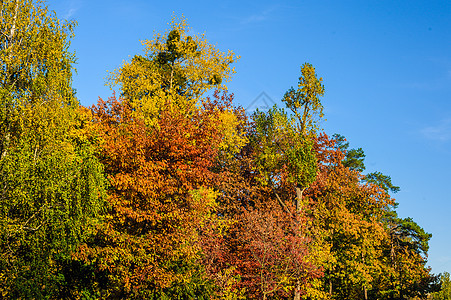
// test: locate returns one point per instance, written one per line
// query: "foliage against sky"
(164, 192)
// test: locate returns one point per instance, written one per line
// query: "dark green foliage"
(198, 287)
(353, 158)
(405, 254)
(162, 66)
(444, 289)
(172, 44)
(340, 142)
(410, 235)
(382, 181)
(80, 280)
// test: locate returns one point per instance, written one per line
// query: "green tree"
(353, 158)
(383, 181)
(405, 256)
(52, 185)
(305, 104)
(280, 146)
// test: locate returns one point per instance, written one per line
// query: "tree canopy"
(171, 191)
(53, 185)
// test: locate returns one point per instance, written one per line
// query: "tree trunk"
(299, 193)
(297, 291)
(393, 262)
(172, 75)
(5, 143)
(364, 286)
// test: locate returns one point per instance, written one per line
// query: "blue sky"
(386, 67)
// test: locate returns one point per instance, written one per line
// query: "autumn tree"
(278, 251)
(348, 213)
(35, 62)
(376, 254)
(160, 144)
(404, 239)
(52, 185)
(161, 200)
(176, 66)
(405, 258)
(267, 246)
(305, 104)
(202, 201)
(264, 174)
(282, 154)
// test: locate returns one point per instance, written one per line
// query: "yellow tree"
(34, 58)
(177, 66)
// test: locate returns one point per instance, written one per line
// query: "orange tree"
(159, 199)
(348, 212)
(376, 255)
(160, 145)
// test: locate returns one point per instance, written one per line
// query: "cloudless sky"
(386, 67)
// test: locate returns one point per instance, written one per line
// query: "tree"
(376, 255)
(348, 214)
(267, 243)
(306, 106)
(353, 158)
(176, 67)
(160, 146)
(445, 291)
(278, 251)
(405, 252)
(280, 148)
(304, 102)
(52, 185)
(161, 200)
(36, 65)
(382, 181)
(283, 144)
